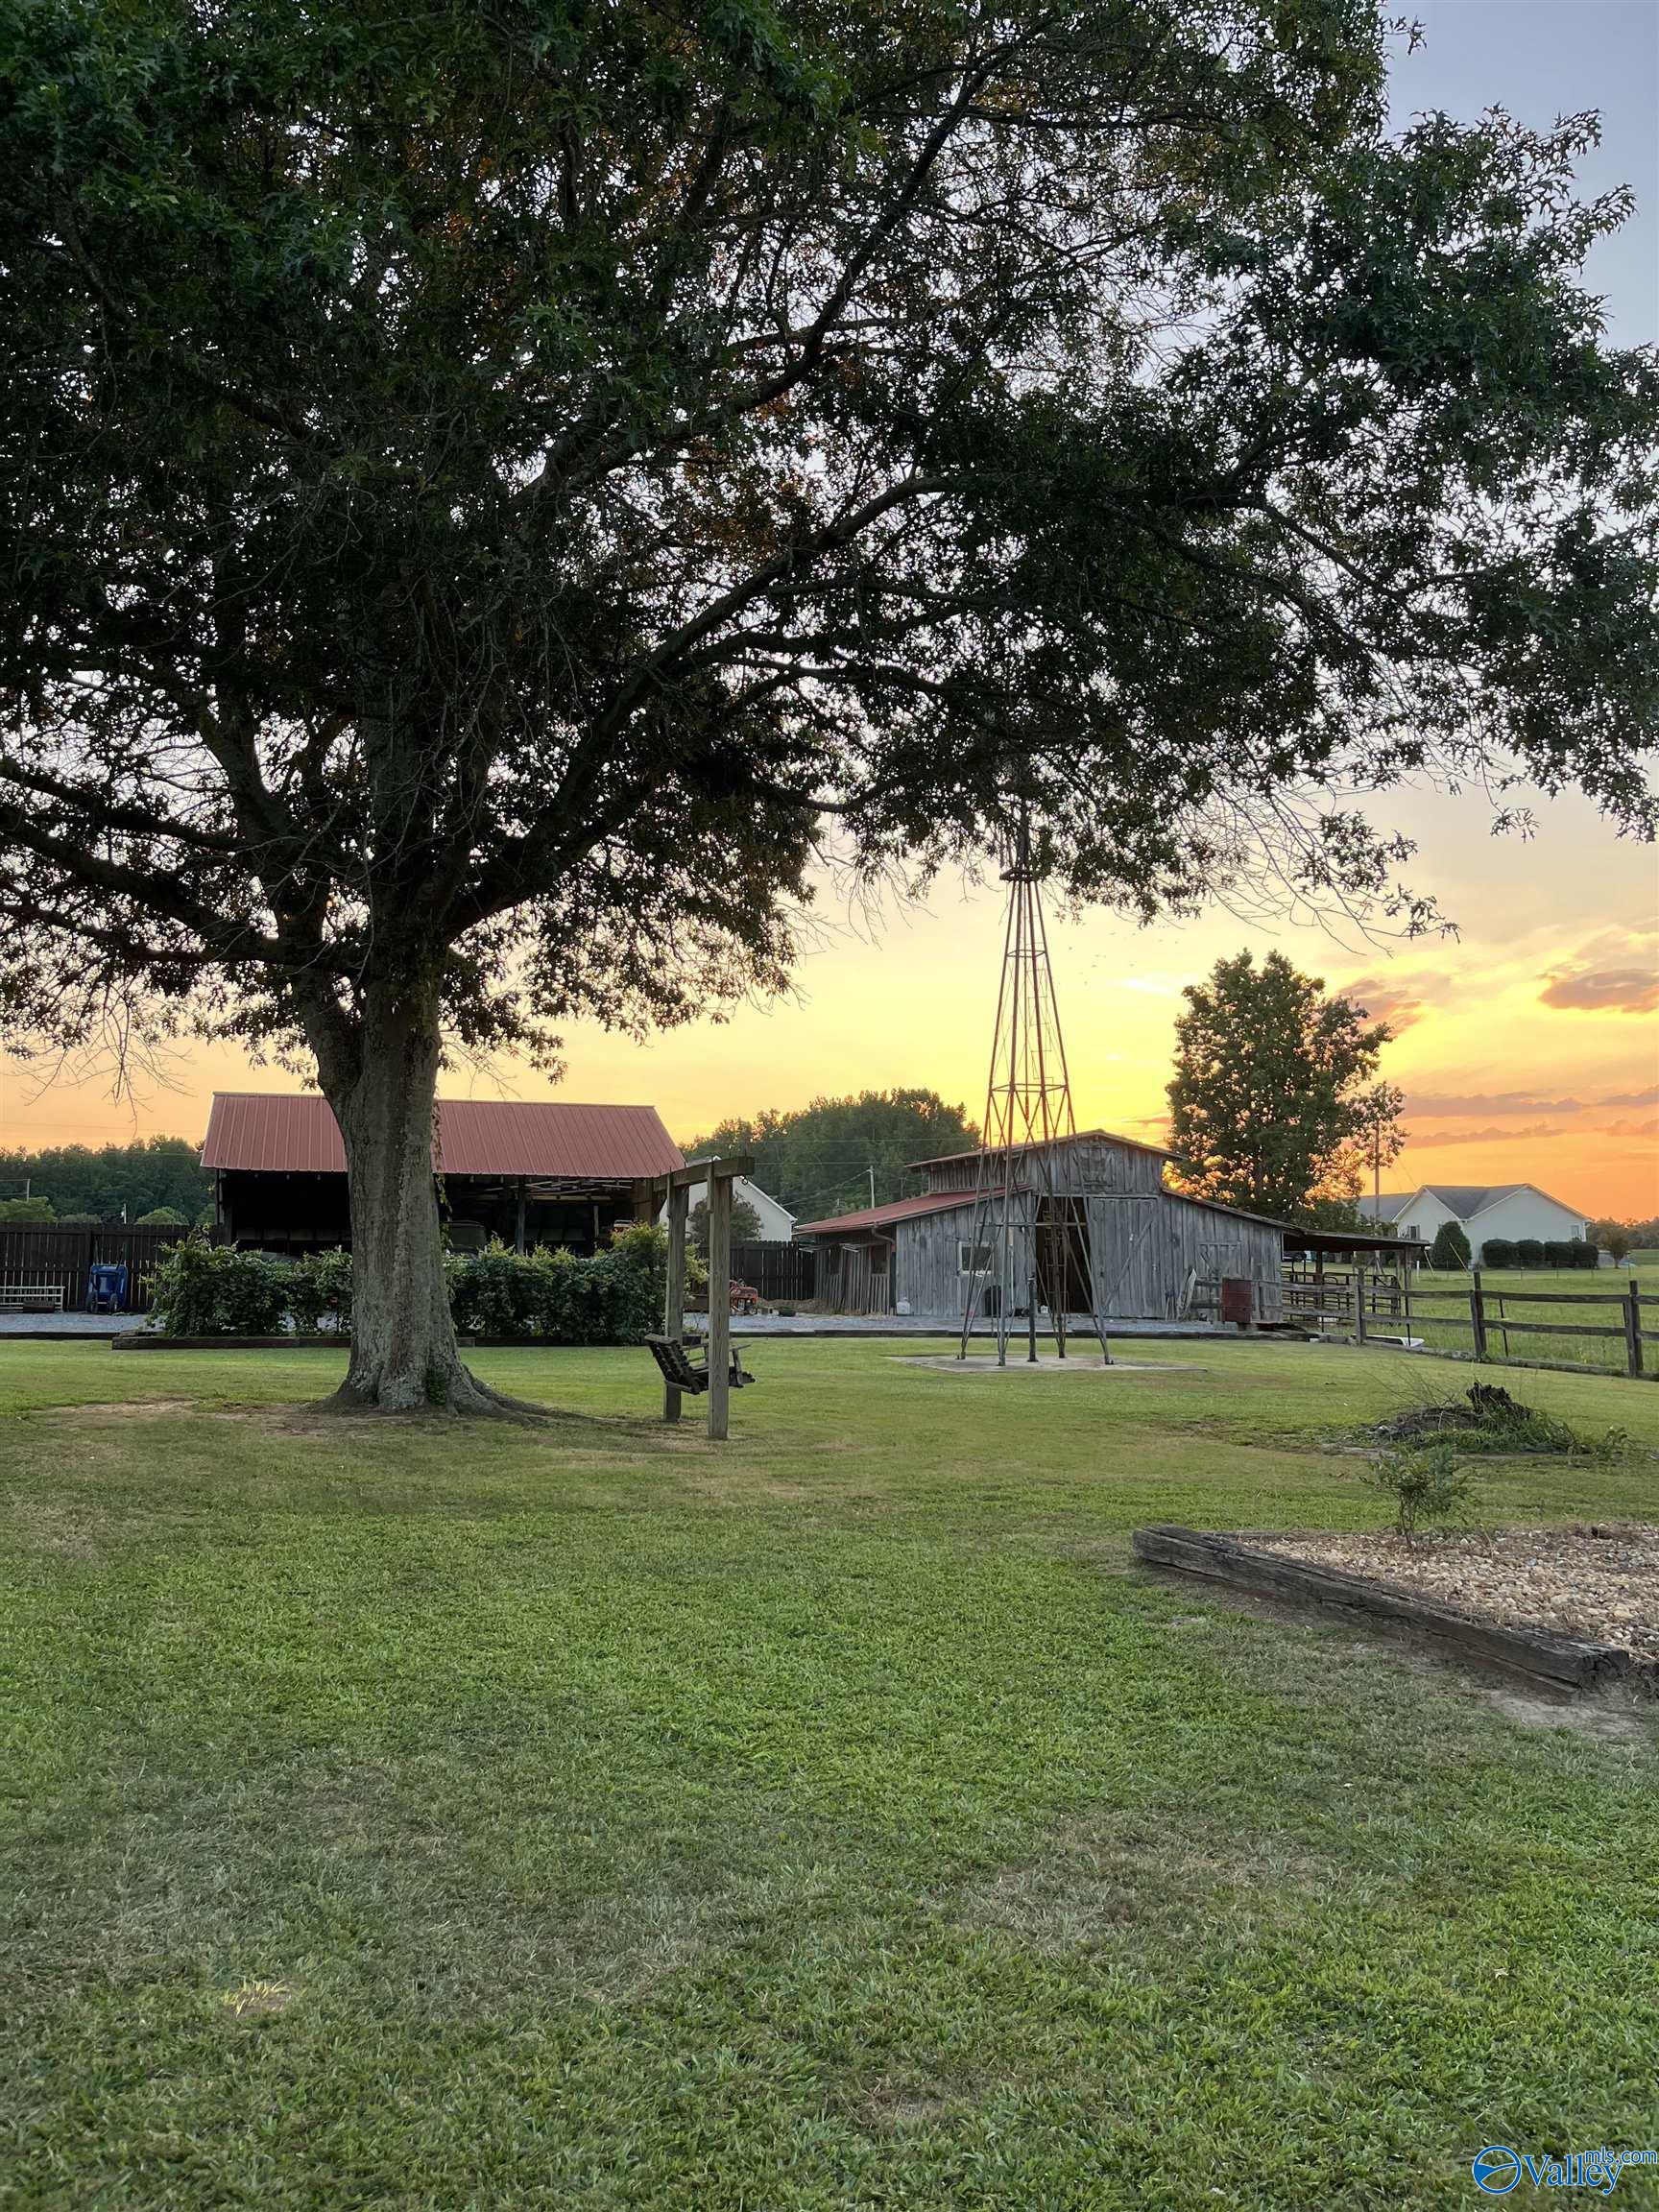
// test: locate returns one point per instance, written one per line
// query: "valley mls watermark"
(1499, 2169)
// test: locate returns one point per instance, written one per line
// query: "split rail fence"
(1482, 1318)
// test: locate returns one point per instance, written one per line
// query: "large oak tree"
(484, 482)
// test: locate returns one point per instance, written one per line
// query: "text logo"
(1497, 2170)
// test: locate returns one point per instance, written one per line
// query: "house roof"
(1296, 1237)
(958, 1201)
(742, 1184)
(878, 1216)
(1388, 1206)
(1464, 1200)
(276, 1133)
(1046, 1143)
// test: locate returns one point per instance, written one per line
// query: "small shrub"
(1450, 1250)
(1531, 1252)
(1571, 1252)
(1499, 1252)
(615, 1297)
(163, 1217)
(320, 1292)
(490, 1291)
(1429, 1487)
(204, 1289)
(1487, 1419)
(554, 1297)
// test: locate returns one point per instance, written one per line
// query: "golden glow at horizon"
(1528, 1046)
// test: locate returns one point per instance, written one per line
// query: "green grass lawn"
(1440, 1312)
(590, 1817)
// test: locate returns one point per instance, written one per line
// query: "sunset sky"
(1528, 1046)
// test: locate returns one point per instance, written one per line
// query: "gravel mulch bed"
(1596, 1581)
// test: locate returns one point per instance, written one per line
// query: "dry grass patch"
(1104, 1875)
(257, 2001)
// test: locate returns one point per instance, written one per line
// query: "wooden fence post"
(1478, 1312)
(719, 1303)
(1633, 1328)
(674, 1298)
(1358, 1280)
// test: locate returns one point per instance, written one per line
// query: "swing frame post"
(674, 1297)
(719, 1175)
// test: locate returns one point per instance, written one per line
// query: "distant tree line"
(152, 1178)
(1621, 1237)
(823, 1159)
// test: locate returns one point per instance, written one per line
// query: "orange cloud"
(1451, 1104)
(1603, 990)
(1436, 1140)
(1399, 1000)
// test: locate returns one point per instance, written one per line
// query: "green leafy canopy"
(1274, 1104)
(484, 488)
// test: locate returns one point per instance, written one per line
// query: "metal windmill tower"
(1031, 1216)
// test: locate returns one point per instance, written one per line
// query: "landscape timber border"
(1563, 1662)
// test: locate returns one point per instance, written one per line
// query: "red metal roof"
(878, 1216)
(1039, 1143)
(282, 1134)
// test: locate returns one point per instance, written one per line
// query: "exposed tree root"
(444, 1390)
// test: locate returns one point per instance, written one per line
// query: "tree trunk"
(404, 1355)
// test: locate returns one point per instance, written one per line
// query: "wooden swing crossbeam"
(678, 1187)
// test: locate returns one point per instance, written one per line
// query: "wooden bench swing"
(720, 1371)
(690, 1376)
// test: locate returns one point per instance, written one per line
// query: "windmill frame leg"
(1022, 1201)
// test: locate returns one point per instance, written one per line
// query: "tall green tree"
(482, 487)
(1274, 1105)
(745, 1224)
(18, 1211)
(1451, 1248)
(828, 1158)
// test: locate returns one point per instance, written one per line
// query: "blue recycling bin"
(106, 1287)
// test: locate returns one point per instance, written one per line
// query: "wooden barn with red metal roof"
(538, 1172)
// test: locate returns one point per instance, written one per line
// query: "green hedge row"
(1531, 1252)
(615, 1297)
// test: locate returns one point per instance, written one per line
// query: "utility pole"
(872, 1187)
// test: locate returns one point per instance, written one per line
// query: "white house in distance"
(1482, 1210)
(777, 1222)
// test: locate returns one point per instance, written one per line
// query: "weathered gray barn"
(1149, 1247)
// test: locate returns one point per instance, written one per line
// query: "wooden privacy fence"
(780, 1271)
(58, 1255)
(1361, 1305)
